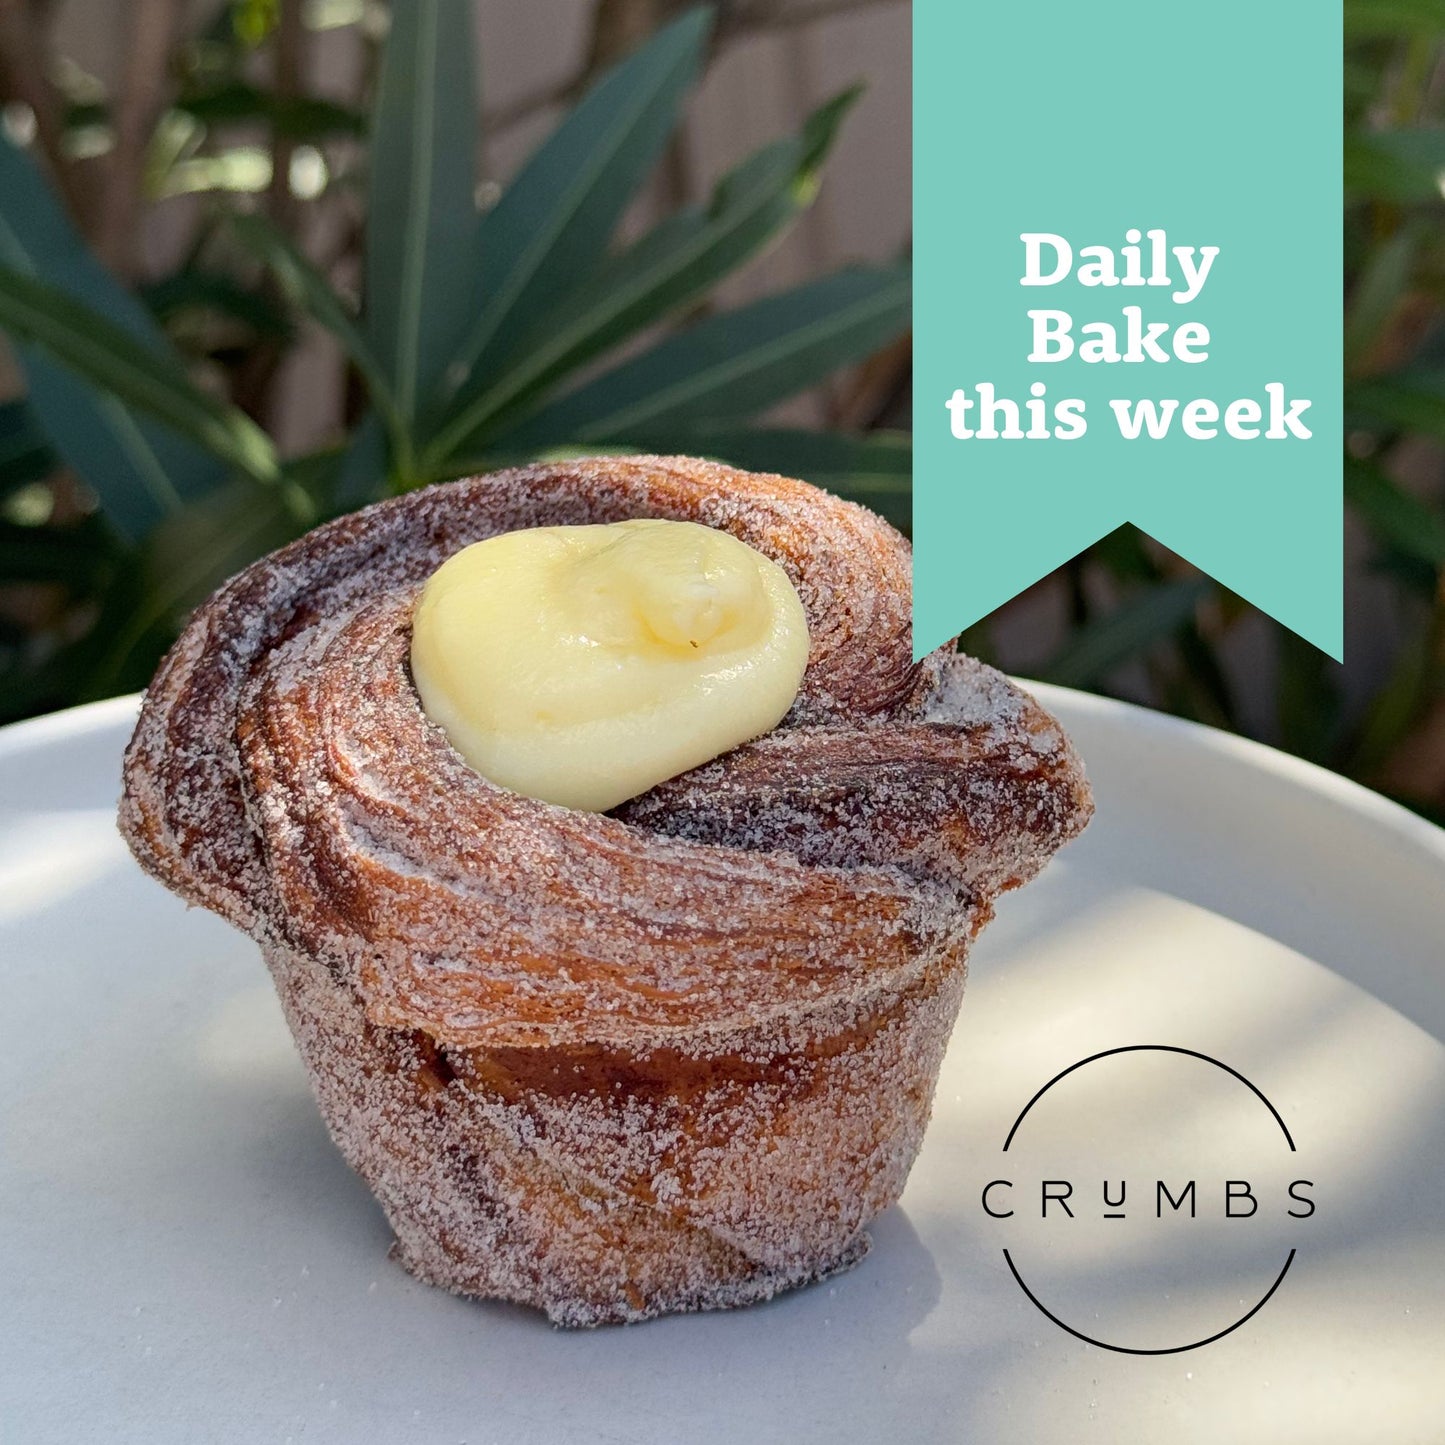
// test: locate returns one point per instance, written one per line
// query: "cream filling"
(584, 665)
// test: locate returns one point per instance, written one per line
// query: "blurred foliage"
(138, 471)
(496, 325)
(1140, 623)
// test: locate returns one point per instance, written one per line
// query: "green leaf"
(1393, 515)
(1409, 401)
(181, 563)
(364, 472)
(679, 261)
(114, 362)
(1396, 707)
(1420, 146)
(309, 119)
(1199, 687)
(1205, 679)
(422, 223)
(1377, 293)
(553, 223)
(1391, 18)
(316, 473)
(1132, 629)
(138, 470)
(190, 555)
(1406, 571)
(33, 680)
(732, 366)
(310, 292)
(25, 455)
(192, 289)
(1124, 554)
(79, 555)
(1399, 165)
(1308, 700)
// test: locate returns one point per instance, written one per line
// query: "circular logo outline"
(1167, 1349)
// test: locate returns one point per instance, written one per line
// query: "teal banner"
(1127, 297)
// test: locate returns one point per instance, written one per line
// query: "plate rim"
(1298, 772)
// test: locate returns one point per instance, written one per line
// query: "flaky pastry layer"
(500, 1001)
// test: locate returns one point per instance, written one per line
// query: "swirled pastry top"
(284, 775)
(584, 665)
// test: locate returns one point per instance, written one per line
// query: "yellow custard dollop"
(584, 665)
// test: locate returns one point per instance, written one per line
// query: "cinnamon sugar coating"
(674, 1057)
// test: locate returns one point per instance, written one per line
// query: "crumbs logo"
(1149, 1191)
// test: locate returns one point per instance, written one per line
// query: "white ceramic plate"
(184, 1256)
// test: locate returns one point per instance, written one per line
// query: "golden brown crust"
(607, 1186)
(760, 919)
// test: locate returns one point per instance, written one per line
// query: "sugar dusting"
(613, 1066)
